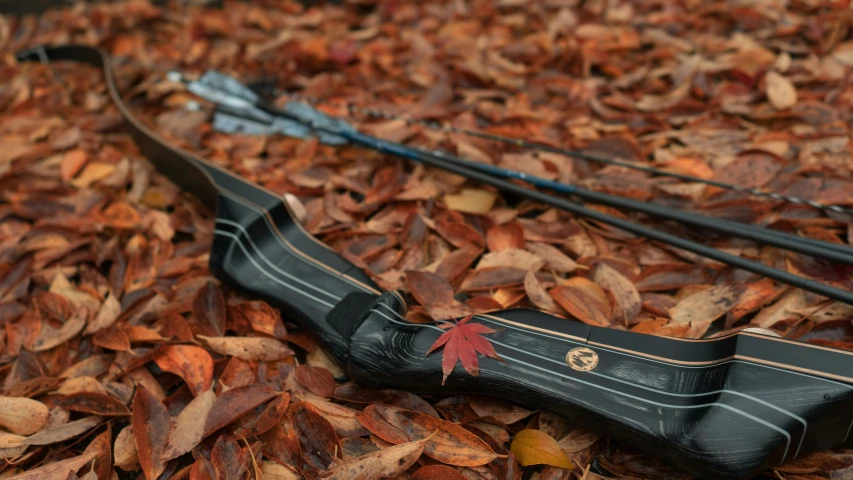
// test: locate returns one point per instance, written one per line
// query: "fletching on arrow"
(227, 120)
(304, 113)
(236, 110)
(225, 84)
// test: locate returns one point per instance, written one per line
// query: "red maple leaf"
(462, 342)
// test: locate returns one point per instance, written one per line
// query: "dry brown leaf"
(58, 470)
(584, 300)
(579, 439)
(554, 258)
(780, 91)
(471, 200)
(187, 429)
(273, 470)
(72, 162)
(107, 314)
(702, 308)
(507, 235)
(125, 452)
(51, 337)
(448, 443)
(538, 294)
(785, 308)
(151, 424)
(498, 409)
(63, 432)
(93, 172)
(342, 418)
(511, 257)
(22, 416)
(248, 348)
(437, 472)
(627, 298)
(232, 404)
(191, 363)
(387, 462)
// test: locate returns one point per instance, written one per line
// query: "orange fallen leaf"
(584, 300)
(189, 362)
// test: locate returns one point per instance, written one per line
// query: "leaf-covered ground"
(121, 355)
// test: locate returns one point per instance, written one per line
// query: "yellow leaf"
(535, 447)
(471, 200)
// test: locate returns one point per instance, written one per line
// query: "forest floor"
(123, 357)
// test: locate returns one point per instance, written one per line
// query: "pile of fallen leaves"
(122, 357)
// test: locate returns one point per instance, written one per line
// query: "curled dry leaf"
(94, 403)
(437, 472)
(534, 447)
(554, 258)
(22, 416)
(702, 308)
(446, 442)
(628, 302)
(273, 470)
(584, 300)
(125, 451)
(263, 318)
(579, 439)
(342, 418)
(188, 427)
(102, 467)
(538, 294)
(501, 410)
(384, 463)
(151, 424)
(107, 314)
(60, 470)
(780, 91)
(249, 348)
(189, 362)
(507, 235)
(234, 403)
(755, 295)
(11, 446)
(511, 257)
(377, 424)
(263, 418)
(436, 295)
(471, 200)
(51, 337)
(317, 436)
(72, 162)
(783, 309)
(209, 307)
(316, 379)
(489, 278)
(112, 338)
(63, 432)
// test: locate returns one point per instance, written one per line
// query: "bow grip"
(722, 408)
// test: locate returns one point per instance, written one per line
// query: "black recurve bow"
(722, 408)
